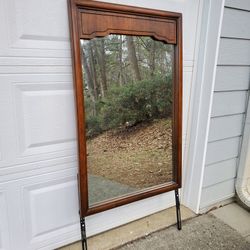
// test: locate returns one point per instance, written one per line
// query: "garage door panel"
(4, 227)
(40, 113)
(50, 207)
(28, 29)
(38, 148)
(42, 210)
(43, 110)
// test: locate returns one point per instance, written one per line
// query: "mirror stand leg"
(83, 234)
(178, 210)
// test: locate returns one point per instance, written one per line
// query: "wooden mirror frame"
(89, 19)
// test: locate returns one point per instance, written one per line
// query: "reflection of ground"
(139, 157)
(101, 189)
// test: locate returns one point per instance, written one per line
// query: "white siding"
(222, 150)
(217, 193)
(229, 103)
(230, 96)
(234, 51)
(239, 4)
(225, 170)
(235, 24)
(232, 78)
(223, 127)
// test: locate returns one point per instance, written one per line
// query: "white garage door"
(38, 159)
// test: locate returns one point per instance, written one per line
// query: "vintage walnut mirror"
(127, 65)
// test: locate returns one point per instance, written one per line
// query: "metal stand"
(83, 234)
(178, 216)
(178, 210)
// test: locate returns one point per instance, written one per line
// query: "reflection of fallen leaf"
(140, 156)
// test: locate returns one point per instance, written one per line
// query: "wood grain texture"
(117, 18)
(99, 24)
(77, 77)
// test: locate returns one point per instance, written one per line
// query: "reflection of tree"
(118, 61)
(152, 58)
(93, 71)
(132, 58)
(101, 59)
(120, 76)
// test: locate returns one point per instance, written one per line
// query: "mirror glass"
(128, 114)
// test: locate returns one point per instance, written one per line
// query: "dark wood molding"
(100, 23)
(90, 19)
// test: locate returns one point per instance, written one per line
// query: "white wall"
(206, 55)
(230, 96)
(38, 162)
